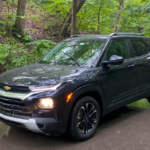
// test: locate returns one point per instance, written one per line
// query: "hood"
(40, 74)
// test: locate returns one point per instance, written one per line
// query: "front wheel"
(85, 118)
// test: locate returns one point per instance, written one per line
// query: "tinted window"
(138, 48)
(118, 48)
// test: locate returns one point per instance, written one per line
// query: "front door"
(118, 83)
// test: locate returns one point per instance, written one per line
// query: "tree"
(99, 12)
(68, 19)
(20, 16)
(12, 18)
(73, 24)
(118, 16)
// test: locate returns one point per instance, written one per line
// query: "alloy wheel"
(87, 118)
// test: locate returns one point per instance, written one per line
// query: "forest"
(30, 28)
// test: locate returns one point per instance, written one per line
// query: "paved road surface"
(126, 129)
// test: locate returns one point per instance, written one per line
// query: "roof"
(126, 34)
(96, 36)
(85, 37)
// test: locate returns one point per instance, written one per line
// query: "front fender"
(81, 91)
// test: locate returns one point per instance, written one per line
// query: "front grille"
(14, 108)
(18, 89)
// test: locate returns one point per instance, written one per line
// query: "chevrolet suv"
(76, 83)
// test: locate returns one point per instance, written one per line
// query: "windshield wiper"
(77, 62)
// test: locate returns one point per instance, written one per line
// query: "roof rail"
(134, 34)
(78, 35)
(74, 36)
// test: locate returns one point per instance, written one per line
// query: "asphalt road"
(125, 129)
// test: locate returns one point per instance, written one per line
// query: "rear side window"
(118, 48)
(138, 48)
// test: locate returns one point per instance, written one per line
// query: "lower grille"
(11, 123)
(14, 108)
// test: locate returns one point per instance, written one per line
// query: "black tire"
(85, 118)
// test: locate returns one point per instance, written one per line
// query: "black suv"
(80, 80)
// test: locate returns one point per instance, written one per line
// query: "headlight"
(46, 103)
(44, 88)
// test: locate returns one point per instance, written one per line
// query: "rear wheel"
(85, 118)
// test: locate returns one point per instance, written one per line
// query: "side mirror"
(114, 60)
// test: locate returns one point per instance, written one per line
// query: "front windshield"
(74, 53)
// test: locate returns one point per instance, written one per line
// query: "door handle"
(131, 65)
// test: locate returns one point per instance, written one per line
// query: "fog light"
(46, 103)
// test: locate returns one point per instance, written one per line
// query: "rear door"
(140, 53)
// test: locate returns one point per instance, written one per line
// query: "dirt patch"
(34, 26)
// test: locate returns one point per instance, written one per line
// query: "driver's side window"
(118, 48)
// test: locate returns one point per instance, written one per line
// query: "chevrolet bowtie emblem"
(7, 88)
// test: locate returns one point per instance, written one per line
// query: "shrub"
(17, 55)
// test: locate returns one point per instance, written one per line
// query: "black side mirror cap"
(114, 60)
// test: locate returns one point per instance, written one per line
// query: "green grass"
(143, 103)
(4, 130)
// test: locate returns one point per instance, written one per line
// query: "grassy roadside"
(143, 104)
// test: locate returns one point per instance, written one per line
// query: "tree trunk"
(118, 16)
(68, 19)
(12, 17)
(20, 16)
(74, 12)
(99, 12)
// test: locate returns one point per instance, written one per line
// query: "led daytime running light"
(44, 88)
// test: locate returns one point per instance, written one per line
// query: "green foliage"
(6, 24)
(17, 55)
(2, 34)
(142, 104)
(12, 55)
(88, 16)
(25, 38)
(58, 8)
(40, 48)
(8, 15)
(136, 17)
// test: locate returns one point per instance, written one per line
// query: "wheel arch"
(92, 90)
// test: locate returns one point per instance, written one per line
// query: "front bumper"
(28, 124)
(19, 112)
(39, 125)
